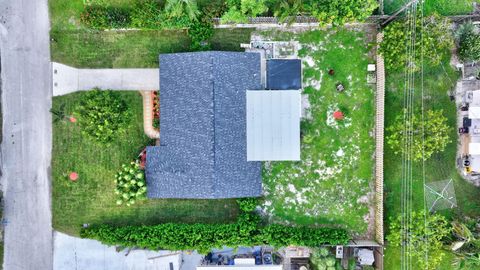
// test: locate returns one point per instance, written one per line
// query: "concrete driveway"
(26, 146)
(75, 253)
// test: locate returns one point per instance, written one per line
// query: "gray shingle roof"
(202, 127)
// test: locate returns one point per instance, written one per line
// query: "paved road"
(26, 146)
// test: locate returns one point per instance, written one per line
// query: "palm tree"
(178, 8)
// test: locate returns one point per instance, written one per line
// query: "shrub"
(130, 182)
(240, 10)
(341, 11)
(437, 40)
(105, 17)
(181, 8)
(434, 140)
(246, 231)
(200, 33)
(234, 15)
(247, 205)
(280, 236)
(102, 114)
(147, 14)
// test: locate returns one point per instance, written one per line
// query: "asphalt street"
(26, 143)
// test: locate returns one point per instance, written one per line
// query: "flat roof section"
(284, 74)
(273, 125)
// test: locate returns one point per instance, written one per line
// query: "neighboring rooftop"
(202, 124)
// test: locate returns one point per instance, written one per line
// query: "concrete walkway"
(66, 79)
(74, 253)
(27, 134)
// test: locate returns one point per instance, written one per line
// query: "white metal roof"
(244, 267)
(474, 112)
(475, 163)
(475, 98)
(273, 125)
(474, 148)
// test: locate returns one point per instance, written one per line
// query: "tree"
(287, 10)
(421, 239)
(468, 40)
(179, 8)
(437, 40)
(434, 140)
(341, 11)
(253, 8)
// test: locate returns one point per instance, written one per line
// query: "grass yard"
(131, 49)
(91, 199)
(331, 183)
(442, 7)
(438, 81)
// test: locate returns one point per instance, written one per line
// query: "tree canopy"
(434, 140)
(434, 37)
(423, 237)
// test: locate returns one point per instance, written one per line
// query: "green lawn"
(442, 7)
(330, 183)
(131, 49)
(438, 81)
(92, 200)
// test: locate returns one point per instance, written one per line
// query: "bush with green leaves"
(433, 40)
(130, 182)
(287, 10)
(246, 231)
(247, 205)
(340, 11)
(240, 10)
(425, 233)
(200, 34)
(105, 17)
(427, 137)
(322, 259)
(468, 40)
(145, 14)
(182, 8)
(102, 115)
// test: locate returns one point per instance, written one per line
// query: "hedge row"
(247, 231)
(146, 14)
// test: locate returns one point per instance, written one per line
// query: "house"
(471, 130)
(217, 122)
